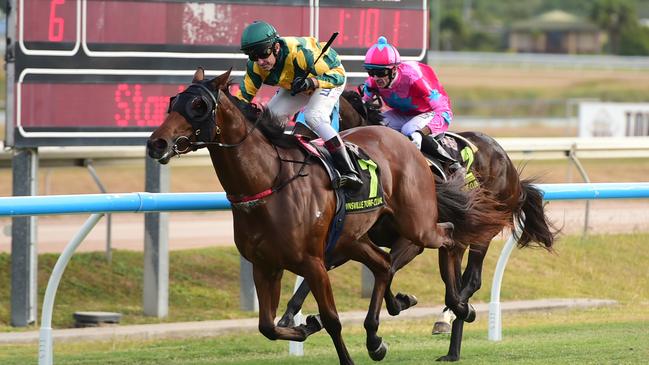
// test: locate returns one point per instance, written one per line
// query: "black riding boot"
(348, 176)
(431, 146)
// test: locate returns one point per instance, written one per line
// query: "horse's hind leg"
(471, 282)
(472, 276)
(450, 265)
(268, 286)
(422, 229)
(401, 253)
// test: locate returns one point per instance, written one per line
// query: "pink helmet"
(381, 55)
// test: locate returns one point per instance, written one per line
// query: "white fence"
(517, 148)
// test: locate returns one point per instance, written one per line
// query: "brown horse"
(282, 203)
(519, 200)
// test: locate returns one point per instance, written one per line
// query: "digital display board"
(100, 72)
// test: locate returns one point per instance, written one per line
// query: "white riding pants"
(317, 108)
(407, 124)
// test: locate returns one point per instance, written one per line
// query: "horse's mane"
(268, 123)
(370, 111)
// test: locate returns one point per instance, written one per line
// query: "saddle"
(461, 149)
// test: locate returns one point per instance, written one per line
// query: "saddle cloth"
(370, 195)
(462, 150)
(367, 198)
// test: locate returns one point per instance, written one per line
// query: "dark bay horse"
(282, 203)
(519, 200)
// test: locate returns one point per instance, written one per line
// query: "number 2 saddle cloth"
(462, 150)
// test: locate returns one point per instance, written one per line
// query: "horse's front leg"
(268, 286)
(294, 305)
(297, 300)
(378, 262)
(315, 274)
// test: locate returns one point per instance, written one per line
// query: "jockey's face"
(269, 61)
(380, 76)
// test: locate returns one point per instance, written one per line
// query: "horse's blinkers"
(198, 109)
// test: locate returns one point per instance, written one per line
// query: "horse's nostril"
(156, 147)
(160, 144)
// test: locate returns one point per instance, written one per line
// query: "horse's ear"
(221, 81)
(199, 75)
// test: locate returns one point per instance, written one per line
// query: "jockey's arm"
(250, 84)
(329, 72)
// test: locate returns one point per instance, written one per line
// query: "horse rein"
(245, 201)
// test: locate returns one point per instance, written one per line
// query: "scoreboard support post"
(24, 257)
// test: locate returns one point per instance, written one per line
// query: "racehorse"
(282, 203)
(519, 200)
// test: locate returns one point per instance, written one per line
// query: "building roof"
(554, 20)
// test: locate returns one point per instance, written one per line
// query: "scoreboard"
(100, 72)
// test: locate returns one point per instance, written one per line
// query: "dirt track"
(191, 230)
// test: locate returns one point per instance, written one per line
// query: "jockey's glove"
(416, 139)
(301, 84)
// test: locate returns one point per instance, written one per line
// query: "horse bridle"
(198, 121)
(210, 116)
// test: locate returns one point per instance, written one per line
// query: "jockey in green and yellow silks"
(289, 62)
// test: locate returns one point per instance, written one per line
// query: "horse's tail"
(473, 212)
(532, 219)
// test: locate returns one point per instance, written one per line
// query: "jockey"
(419, 106)
(288, 62)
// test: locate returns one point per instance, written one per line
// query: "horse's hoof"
(470, 316)
(313, 323)
(393, 311)
(448, 358)
(441, 328)
(406, 300)
(286, 321)
(443, 324)
(379, 353)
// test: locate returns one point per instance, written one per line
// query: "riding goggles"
(379, 72)
(262, 54)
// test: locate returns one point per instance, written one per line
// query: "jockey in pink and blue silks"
(419, 105)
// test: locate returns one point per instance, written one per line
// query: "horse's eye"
(199, 106)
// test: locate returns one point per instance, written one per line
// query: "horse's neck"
(247, 169)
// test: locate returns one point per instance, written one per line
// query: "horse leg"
(268, 286)
(472, 276)
(379, 263)
(402, 252)
(471, 280)
(316, 275)
(294, 305)
(297, 300)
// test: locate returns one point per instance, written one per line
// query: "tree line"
(482, 25)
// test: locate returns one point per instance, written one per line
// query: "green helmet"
(258, 35)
